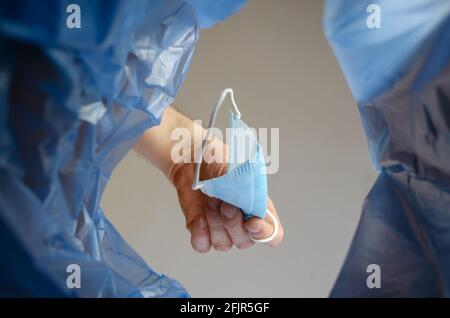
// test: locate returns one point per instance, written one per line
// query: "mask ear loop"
(197, 184)
(274, 233)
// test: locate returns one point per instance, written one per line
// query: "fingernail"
(202, 222)
(229, 211)
(254, 227)
(201, 247)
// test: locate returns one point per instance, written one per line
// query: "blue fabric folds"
(400, 77)
(72, 104)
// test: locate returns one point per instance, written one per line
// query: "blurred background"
(275, 57)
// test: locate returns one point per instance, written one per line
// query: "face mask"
(245, 183)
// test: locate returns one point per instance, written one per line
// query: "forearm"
(156, 143)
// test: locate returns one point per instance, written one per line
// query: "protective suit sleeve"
(399, 74)
(73, 101)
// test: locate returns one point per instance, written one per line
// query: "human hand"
(210, 221)
(213, 222)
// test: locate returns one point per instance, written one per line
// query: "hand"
(210, 221)
(213, 222)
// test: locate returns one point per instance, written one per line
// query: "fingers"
(259, 229)
(263, 228)
(220, 239)
(200, 235)
(233, 222)
(222, 226)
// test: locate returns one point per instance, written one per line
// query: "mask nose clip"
(197, 184)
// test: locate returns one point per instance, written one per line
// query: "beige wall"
(274, 55)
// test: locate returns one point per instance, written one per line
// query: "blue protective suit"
(399, 75)
(72, 104)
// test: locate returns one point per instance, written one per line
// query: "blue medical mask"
(245, 183)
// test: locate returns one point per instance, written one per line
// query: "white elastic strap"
(275, 230)
(196, 183)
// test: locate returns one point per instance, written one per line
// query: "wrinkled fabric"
(209, 12)
(73, 103)
(245, 183)
(400, 77)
